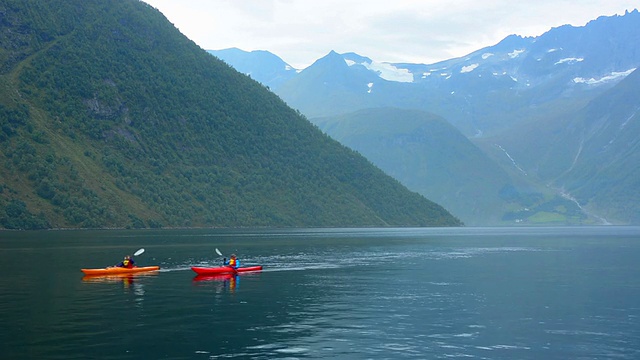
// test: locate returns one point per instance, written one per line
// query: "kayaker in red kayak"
(234, 262)
(127, 262)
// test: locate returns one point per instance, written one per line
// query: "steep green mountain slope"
(591, 154)
(428, 155)
(603, 150)
(110, 117)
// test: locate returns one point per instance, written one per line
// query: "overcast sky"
(414, 31)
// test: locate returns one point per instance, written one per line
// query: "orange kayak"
(119, 270)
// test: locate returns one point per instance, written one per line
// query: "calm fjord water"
(483, 293)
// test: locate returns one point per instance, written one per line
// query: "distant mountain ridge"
(521, 71)
(521, 101)
(261, 66)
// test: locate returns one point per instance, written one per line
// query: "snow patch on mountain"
(569, 60)
(291, 68)
(515, 53)
(350, 62)
(470, 68)
(385, 71)
(610, 77)
(485, 56)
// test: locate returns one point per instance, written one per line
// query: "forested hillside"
(110, 117)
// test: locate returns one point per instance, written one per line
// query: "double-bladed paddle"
(220, 254)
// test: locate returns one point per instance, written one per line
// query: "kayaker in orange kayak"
(127, 262)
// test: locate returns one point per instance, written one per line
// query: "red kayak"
(223, 270)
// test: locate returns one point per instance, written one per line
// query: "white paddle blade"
(218, 252)
(138, 252)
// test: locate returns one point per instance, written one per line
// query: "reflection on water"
(224, 282)
(221, 277)
(130, 282)
(116, 278)
(326, 293)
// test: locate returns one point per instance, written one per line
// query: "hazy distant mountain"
(261, 66)
(478, 93)
(485, 90)
(521, 101)
(430, 156)
(591, 155)
(110, 117)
